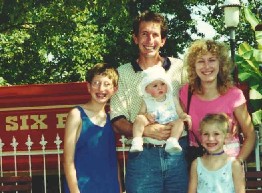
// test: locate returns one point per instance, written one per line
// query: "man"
(152, 170)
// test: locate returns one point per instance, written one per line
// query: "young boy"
(159, 105)
(215, 171)
(90, 162)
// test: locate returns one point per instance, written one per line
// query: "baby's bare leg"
(172, 144)
(139, 125)
(177, 128)
(138, 129)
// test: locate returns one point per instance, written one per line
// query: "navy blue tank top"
(95, 158)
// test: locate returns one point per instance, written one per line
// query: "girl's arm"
(247, 128)
(192, 188)
(73, 123)
(238, 176)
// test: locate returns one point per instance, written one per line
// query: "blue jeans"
(155, 171)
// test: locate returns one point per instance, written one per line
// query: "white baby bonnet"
(151, 74)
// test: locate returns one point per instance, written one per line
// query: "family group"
(164, 105)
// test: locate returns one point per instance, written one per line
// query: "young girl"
(216, 172)
(90, 162)
(159, 105)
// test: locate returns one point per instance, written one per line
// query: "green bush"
(249, 61)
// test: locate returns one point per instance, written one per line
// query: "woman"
(210, 82)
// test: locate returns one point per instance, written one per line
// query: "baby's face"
(157, 89)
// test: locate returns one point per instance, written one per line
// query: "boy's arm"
(73, 123)
(193, 179)
(238, 176)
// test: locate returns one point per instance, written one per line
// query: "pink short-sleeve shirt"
(223, 104)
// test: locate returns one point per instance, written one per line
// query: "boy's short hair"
(150, 16)
(103, 69)
(220, 119)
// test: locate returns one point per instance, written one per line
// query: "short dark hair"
(103, 69)
(148, 16)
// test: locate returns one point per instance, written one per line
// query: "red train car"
(37, 110)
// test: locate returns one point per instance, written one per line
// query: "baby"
(159, 105)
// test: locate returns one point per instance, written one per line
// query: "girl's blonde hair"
(221, 51)
(220, 119)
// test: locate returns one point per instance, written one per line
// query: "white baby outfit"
(149, 75)
(164, 111)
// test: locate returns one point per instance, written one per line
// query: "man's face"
(149, 39)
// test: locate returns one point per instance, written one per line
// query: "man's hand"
(157, 131)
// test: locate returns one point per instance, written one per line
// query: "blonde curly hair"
(202, 47)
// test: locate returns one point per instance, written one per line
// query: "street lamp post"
(231, 13)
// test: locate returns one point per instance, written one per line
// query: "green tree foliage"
(43, 41)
